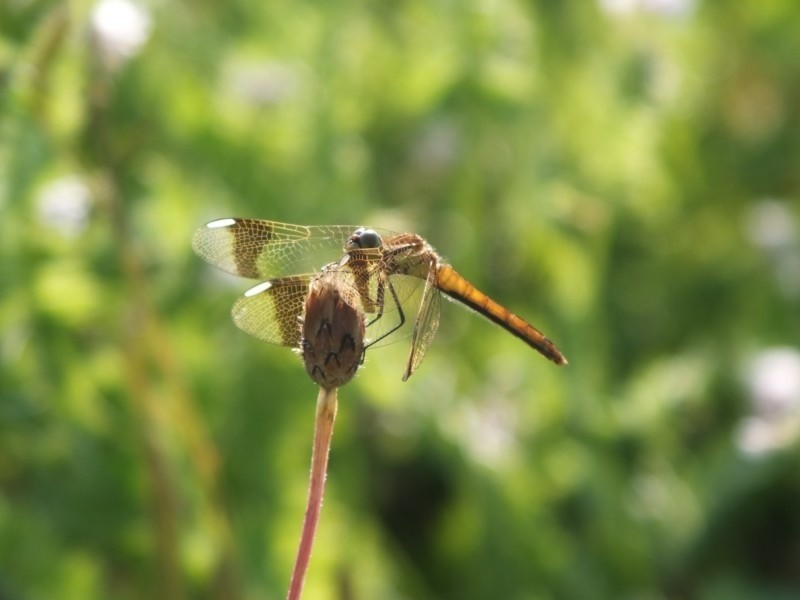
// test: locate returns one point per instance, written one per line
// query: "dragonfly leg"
(399, 311)
(379, 301)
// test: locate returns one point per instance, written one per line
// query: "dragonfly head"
(364, 238)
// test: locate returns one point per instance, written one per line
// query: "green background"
(624, 174)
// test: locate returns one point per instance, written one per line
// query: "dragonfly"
(398, 279)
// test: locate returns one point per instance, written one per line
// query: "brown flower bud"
(332, 343)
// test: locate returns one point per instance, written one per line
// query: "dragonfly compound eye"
(366, 238)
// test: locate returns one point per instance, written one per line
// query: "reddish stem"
(323, 432)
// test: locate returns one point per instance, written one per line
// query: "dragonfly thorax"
(364, 238)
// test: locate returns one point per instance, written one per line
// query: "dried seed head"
(332, 342)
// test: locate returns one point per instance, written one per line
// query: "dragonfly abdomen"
(458, 288)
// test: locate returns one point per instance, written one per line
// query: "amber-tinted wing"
(260, 249)
(272, 310)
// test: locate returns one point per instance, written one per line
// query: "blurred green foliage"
(624, 173)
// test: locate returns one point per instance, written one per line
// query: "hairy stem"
(323, 432)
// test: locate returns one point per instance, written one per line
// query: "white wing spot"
(257, 289)
(221, 223)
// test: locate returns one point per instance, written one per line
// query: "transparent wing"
(259, 249)
(272, 310)
(401, 299)
(426, 325)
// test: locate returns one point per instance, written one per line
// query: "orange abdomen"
(458, 288)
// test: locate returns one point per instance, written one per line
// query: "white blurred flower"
(488, 426)
(120, 28)
(490, 434)
(772, 227)
(619, 7)
(264, 83)
(64, 205)
(665, 8)
(437, 147)
(773, 379)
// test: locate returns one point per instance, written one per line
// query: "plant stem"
(323, 432)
